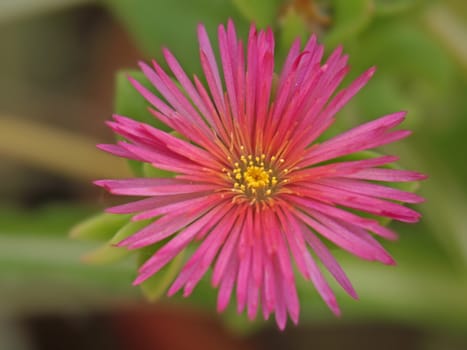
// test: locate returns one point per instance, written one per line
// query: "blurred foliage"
(420, 50)
(160, 23)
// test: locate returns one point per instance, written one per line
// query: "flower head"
(254, 191)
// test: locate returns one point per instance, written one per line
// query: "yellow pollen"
(255, 176)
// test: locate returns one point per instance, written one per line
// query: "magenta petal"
(253, 302)
(343, 215)
(330, 263)
(152, 188)
(242, 279)
(280, 307)
(366, 188)
(176, 245)
(366, 136)
(390, 175)
(227, 285)
(152, 203)
(168, 225)
(170, 206)
(346, 94)
(118, 151)
(252, 191)
(225, 256)
(200, 261)
(343, 238)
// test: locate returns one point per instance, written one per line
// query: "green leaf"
(383, 96)
(262, 12)
(129, 229)
(105, 254)
(154, 24)
(150, 171)
(351, 17)
(393, 7)
(109, 252)
(292, 26)
(99, 227)
(408, 53)
(155, 286)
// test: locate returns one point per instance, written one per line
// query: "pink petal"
(168, 225)
(227, 284)
(151, 203)
(346, 94)
(366, 188)
(152, 187)
(365, 203)
(330, 262)
(226, 255)
(243, 278)
(171, 207)
(118, 151)
(307, 265)
(390, 175)
(200, 261)
(176, 245)
(344, 215)
(337, 234)
(366, 136)
(211, 71)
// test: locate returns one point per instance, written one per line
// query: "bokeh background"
(58, 66)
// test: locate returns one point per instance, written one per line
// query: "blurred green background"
(58, 63)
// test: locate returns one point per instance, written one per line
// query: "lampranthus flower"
(253, 188)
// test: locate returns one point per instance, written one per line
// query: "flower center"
(254, 177)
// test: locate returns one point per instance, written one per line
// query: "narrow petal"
(374, 190)
(118, 151)
(226, 255)
(176, 245)
(343, 215)
(280, 306)
(200, 261)
(152, 203)
(365, 203)
(337, 234)
(390, 175)
(307, 265)
(252, 299)
(330, 262)
(168, 225)
(346, 94)
(339, 169)
(210, 68)
(152, 187)
(243, 279)
(366, 136)
(289, 189)
(171, 207)
(227, 285)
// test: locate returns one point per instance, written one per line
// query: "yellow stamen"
(255, 176)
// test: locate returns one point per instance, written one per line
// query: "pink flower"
(253, 187)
